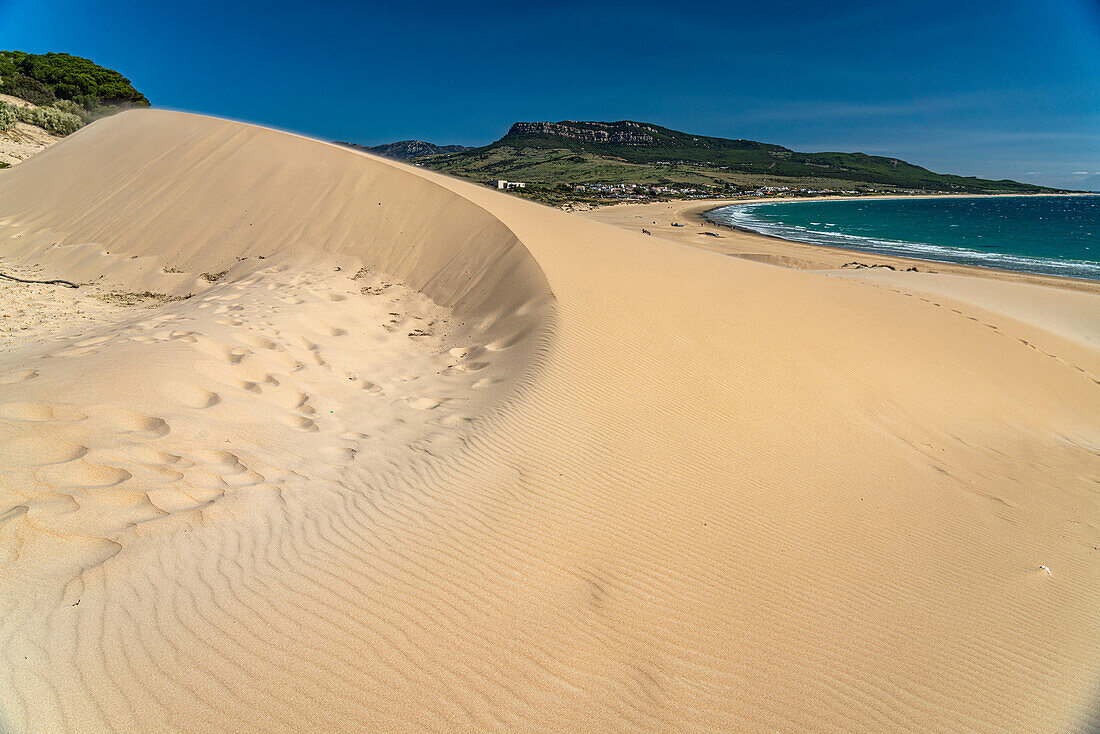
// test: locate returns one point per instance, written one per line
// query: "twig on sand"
(66, 283)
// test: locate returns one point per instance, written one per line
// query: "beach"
(658, 217)
(331, 442)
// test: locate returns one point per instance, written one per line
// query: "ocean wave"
(742, 216)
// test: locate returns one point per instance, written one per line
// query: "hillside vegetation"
(49, 119)
(68, 83)
(569, 160)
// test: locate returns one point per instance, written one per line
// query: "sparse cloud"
(779, 111)
(816, 110)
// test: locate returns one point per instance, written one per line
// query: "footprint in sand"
(220, 351)
(300, 422)
(423, 403)
(82, 473)
(337, 454)
(78, 351)
(510, 341)
(124, 420)
(191, 396)
(92, 341)
(258, 341)
(35, 412)
(223, 462)
(40, 451)
(16, 376)
(149, 456)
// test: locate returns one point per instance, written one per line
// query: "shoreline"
(807, 256)
(1031, 264)
(1047, 266)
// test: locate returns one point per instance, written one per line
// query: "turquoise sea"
(1038, 234)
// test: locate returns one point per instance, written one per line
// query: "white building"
(502, 184)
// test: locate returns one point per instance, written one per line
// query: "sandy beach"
(330, 442)
(658, 218)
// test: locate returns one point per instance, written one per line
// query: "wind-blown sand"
(430, 456)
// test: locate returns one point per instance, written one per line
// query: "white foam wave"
(742, 216)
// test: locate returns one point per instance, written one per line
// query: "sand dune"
(418, 454)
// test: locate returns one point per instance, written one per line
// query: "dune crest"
(417, 454)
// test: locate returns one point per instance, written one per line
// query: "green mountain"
(66, 82)
(563, 156)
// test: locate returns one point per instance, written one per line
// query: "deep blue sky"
(994, 88)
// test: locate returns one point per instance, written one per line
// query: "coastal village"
(642, 192)
(596, 193)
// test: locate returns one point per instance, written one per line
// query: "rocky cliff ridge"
(630, 133)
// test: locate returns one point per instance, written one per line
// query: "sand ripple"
(429, 457)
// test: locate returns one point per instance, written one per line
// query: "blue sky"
(996, 89)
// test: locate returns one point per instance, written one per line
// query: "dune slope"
(417, 454)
